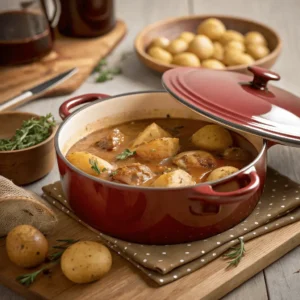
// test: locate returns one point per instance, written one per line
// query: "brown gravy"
(179, 128)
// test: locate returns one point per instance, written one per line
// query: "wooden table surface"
(277, 281)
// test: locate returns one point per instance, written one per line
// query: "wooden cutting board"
(124, 281)
(67, 53)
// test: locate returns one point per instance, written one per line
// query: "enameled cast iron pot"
(177, 215)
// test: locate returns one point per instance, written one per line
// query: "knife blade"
(37, 90)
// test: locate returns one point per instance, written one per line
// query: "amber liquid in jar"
(86, 18)
(24, 37)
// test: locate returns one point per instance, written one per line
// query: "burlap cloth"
(278, 207)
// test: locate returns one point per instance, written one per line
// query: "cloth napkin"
(278, 207)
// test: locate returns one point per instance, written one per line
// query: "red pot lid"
(239, 101)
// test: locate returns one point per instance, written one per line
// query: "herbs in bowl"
(26, 146)
(31, 133)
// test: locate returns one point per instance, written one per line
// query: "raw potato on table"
(26, 246)
(86, 261)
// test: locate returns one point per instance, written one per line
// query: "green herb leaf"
(32, 132)
(28, 279)
(104, 76)
(125, 154)
(94, 166)
(235, 254)
(113, 173)
(101, 64)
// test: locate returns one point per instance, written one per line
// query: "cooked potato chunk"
(236, 153)
(84, 161)
(158, 149)
(174, 179)
(212, 137)
(221, 173)
(134, 174)
(195, 159)
(112, 141)
(151, 132)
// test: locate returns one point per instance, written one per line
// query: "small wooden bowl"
(171, 29)
(27, 165)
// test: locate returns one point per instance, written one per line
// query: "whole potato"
(187, 36)
(212, 28)
(235, 57)
(221, 173)
(82, 160)
(202, 46)
(254, 37)
(86, 261)
(236, 153)
(213, 64)
(212, 138)
(257, 51)
(160, 55)
(161, 42)
(235, 45)
(26, 246)
(218, 51)
(177, 46)
(231, 35)
(186, 59)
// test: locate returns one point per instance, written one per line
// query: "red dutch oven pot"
(263, 114)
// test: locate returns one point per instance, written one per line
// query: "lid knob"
(261, 77)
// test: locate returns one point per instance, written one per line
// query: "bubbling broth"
(162, 152)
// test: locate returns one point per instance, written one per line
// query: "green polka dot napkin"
(278, 207)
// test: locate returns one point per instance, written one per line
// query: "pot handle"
(207, 194)
(64, 109)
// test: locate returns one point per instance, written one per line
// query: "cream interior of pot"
(124, 108)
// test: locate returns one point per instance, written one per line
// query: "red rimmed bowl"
(150, 215)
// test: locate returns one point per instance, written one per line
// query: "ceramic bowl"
(27, 165)
(171, 28)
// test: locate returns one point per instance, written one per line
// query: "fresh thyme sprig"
(28, 279)
(125, 154)
(104, 72)
(235, 254)
(95, 167)
(32, 132)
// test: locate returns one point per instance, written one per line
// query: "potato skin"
(212, 138)
(213, 64)
(151, 132)
(161, 42)
(218, 51)
(212, 28)
(81, 160)
(187, 36)
(231, 35)
(221, 173)
(186, 59)
(255, 37)
(158, 149)
(160, 54)
(257, 51)
(235, 57)
(202, 46)
(174, 179)
(26, 246)
(86, 261)
(177, 46)
(236, 45)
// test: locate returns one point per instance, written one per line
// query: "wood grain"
(126, 282)
(67, 53)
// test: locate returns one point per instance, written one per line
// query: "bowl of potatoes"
(214, 42)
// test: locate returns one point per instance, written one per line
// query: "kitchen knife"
(34, 92)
